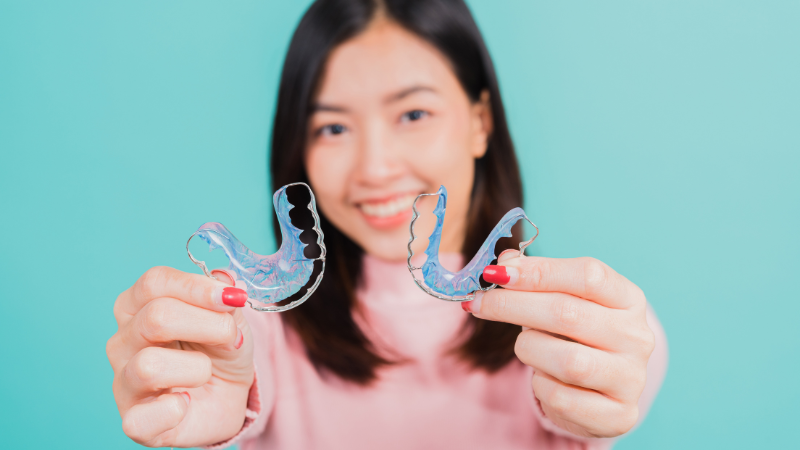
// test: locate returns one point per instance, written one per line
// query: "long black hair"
(332, 339)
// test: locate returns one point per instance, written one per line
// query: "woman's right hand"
(182, 359)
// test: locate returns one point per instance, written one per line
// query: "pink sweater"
(431, 402)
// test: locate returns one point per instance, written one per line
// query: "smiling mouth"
(387, 208)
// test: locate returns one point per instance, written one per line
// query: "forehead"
(383, 59)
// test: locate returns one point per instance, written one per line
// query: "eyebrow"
(389, 99)
(323, 107)
(408, 91)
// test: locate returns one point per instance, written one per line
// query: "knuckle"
(118, 386)
(118, 312)
(133, 429)
(642, 339)
(559, 401)
(626, 421)
(111, 348)
(596, 275)
(146, 367)
(636, 297)
(648, 341)
(175, 407)
(497, 303)
(521, 345)
(152, 280)
(227, 327)
(638, 384)
(196, 287)
(569, 314)
(638, 293)
(154, 325)
(535, 274)
(579, 367)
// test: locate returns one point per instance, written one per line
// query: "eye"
(414, 115)
(331, 130)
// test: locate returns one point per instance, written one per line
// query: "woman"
(381, 100)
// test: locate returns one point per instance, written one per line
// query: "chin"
(388, 248)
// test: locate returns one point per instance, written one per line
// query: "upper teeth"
(390, 208)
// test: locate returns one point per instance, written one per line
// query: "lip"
(385, 223)
(384, 198)
(388, 222)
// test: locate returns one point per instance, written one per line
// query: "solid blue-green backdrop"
(661, 137)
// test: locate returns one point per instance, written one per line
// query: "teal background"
(661, 137)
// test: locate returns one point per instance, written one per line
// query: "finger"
(583, 411)
(564, 314)
(230, 278)
(145, 422)
(226, 276)
(155, 369)
(587, 278)
(577, 365)
(166, 320)
(194, 289)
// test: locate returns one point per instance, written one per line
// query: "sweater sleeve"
(656, 371)
(261, 400)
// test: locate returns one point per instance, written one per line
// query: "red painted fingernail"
(239, 339)
(186, 397)
(232, 296)
(465, 306)
(496, 275)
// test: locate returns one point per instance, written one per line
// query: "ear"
(482, 125)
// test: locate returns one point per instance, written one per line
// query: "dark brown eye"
(332, 129)
(414, 115)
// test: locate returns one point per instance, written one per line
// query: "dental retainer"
(460, 286)
(272, 278)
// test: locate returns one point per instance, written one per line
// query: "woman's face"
(392, 121)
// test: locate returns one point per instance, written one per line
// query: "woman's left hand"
(584, 333)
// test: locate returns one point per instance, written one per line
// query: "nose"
(378, 163)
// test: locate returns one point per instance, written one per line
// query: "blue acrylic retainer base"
(272, 278)
(460, 286)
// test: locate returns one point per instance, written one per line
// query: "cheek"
(327, 171)
(443, 150)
